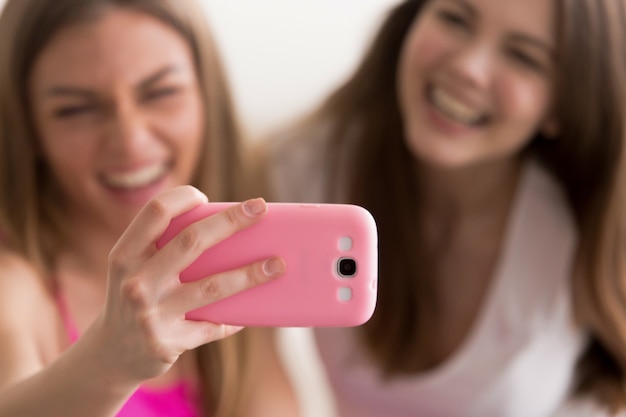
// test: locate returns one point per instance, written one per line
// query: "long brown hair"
(28, 213)
(588, 159)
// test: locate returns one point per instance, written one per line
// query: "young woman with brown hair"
(488, 140)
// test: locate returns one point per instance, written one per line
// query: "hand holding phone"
(331, 253)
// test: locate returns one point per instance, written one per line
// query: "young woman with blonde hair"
(115, 116)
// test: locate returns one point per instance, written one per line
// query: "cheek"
(527, 99)
(184, 122)
(70, 148)
(422, 59)
(69, 165)
(65, 145)
(184, 129)
(425, 48)
(72, 159)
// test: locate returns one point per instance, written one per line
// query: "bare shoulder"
(26, 323)
(22, 291)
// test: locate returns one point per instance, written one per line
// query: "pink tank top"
(178, 400)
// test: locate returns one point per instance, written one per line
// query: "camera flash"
(345, 243)
(344, 294)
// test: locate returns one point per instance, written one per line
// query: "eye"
(525, 59)
(452, 18)
(160, 93)
(74, 111)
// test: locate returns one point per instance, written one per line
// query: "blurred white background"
(283, 56)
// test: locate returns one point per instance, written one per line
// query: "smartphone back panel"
(331, 252)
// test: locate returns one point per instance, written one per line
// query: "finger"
(195, 294)
(138, 239)
(193, 240)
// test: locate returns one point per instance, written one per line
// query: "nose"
(128, 130)
(473, 63)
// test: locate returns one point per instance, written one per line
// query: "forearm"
(81, 382)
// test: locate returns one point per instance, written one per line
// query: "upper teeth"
(454, 109)
(138, 178)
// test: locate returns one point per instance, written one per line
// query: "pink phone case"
(315, 240)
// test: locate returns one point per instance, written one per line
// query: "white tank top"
(518, 359)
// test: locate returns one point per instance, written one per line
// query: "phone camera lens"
(347, 267)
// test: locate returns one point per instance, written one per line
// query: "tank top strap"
(68, 323)
(180, 399)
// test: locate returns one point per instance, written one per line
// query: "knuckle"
(146, 320)
(189, 189)
(198, 195)
(211, 289)
(135, 291)
(253, 275)
(232, 218)
(157, 209)
(190, 239)
(148, 324)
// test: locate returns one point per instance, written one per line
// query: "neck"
(87, 248)
(469, 193)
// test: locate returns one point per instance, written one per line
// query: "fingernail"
(235, 329)
(274, 266)
(255, 206)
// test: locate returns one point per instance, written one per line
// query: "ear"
(550, 129)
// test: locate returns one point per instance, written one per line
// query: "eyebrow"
(519, 37)
(465, 5)
(158, 75)
(64, 90)
(535, 42)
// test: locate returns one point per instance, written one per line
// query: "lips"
(137, 178)
(455, 108)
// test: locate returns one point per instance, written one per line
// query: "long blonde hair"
(28, 213)
(588, 159)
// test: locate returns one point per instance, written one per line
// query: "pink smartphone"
(331, 252)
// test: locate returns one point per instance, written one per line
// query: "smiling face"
(475, 79)
(119, 113)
